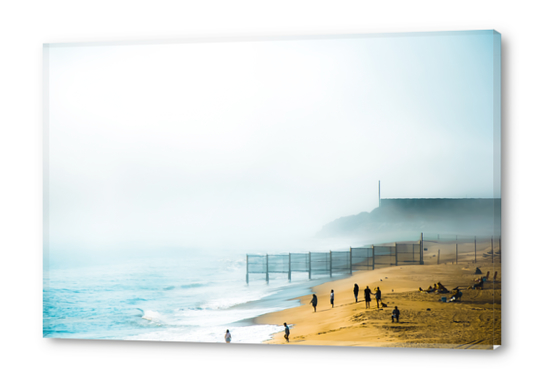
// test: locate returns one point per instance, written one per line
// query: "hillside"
(399, 217)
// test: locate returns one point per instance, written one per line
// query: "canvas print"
(339, 190)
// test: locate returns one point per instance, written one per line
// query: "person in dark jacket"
(378, 296)
(286, 332)
(332, 298)
(356, 291)
(368, 294)
(395, 314)
(314, 301)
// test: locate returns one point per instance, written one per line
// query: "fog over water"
(256, 145)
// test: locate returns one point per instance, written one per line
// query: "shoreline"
(425, 321)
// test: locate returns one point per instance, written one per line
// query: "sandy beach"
(425, 321)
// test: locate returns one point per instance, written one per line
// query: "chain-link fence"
(446, 248)
(430, 249)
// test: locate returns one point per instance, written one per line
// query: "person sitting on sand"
(368, 294)
(479, 285)
(456, 294)
(227, 336)
(378, 296)
(314, 301)
(356, 291)
(332, 298)
(286, 332)
(428, 290)
(441, 288)
(395, 314)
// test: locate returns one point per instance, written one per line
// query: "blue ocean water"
(183, 297)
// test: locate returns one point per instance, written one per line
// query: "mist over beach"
(167, 163)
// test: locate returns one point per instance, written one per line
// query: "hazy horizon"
(258, 144)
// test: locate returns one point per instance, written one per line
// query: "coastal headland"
(426, 321)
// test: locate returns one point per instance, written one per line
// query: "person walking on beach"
(227, 336)
(332, 298)
(378, 296)
(314, 301)
(356, 291)
(368, 294)
(395, 314)
(286, 332)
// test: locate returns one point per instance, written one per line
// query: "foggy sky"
(258, 144)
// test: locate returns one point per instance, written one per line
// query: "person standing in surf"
(227, 336)
(286, 332)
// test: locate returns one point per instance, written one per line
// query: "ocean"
(184, 297)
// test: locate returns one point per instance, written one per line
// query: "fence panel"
(384, 256)
(362, 258)
(319, 263)
(340, 261)
(256, 264)
(300, 262)
(408, 254)
(279, 264)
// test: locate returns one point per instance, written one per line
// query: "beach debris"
(386, 277)
(380, 279)
(428, 309)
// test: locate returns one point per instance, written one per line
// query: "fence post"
(456, 255)
(267, 268)
(438, 257)
(396, 254)
(373, 246)
(350, 260)
(330, 264)
(309, 265)
(492, 252)
(474, 249)
(421, 249)
(247, 268)
(290, 267)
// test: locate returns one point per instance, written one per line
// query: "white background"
(26, 25)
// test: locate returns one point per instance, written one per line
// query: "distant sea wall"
(480, 216)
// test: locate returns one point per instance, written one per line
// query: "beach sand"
(425, 321)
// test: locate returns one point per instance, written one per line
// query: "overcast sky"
(260, 143)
